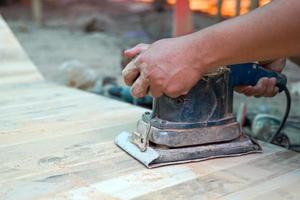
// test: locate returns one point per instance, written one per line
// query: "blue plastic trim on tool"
(250, 73)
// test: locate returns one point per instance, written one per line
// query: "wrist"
(208, 51)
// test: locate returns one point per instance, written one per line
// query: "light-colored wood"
(15, 66)
(57, 143)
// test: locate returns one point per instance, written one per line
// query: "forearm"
(270, 32)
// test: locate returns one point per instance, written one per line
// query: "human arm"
(173, 66)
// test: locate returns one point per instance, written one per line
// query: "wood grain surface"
(57, 143)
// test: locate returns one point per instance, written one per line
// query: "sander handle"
(250, 73)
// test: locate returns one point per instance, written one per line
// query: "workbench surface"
(57, 143)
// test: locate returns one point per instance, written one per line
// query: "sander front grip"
(250, 73)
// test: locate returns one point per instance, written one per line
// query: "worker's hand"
(167, 66)
(265, 87)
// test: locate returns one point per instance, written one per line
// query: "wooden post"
(182, 18)
(238, 7)
(219, 9)
(254, 4)
(37, 11)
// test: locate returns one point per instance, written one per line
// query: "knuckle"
(172, 92)
(135, 92)
(157, 82)
(126, 78)
(140, 44)
(264, 87)
(126, 81)
(271, 89)
(140, 59)
(146, 75)
(139, 89)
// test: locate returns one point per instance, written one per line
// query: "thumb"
(130, 53)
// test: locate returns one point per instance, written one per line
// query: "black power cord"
(286, 115)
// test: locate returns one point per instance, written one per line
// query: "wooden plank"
(15, 66)
(289, 191)
(81, 168)
(138, 183)
(187, 181)
(22, 132)
(268, 187)
(221, 183)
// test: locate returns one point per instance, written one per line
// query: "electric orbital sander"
(199, 125)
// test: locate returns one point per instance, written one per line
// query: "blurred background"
(79, 43)
(94, 32)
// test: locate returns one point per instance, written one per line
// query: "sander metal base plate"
(156, 156)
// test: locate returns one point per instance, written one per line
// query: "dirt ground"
(115, 25)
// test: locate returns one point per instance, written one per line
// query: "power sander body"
(199, 125)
